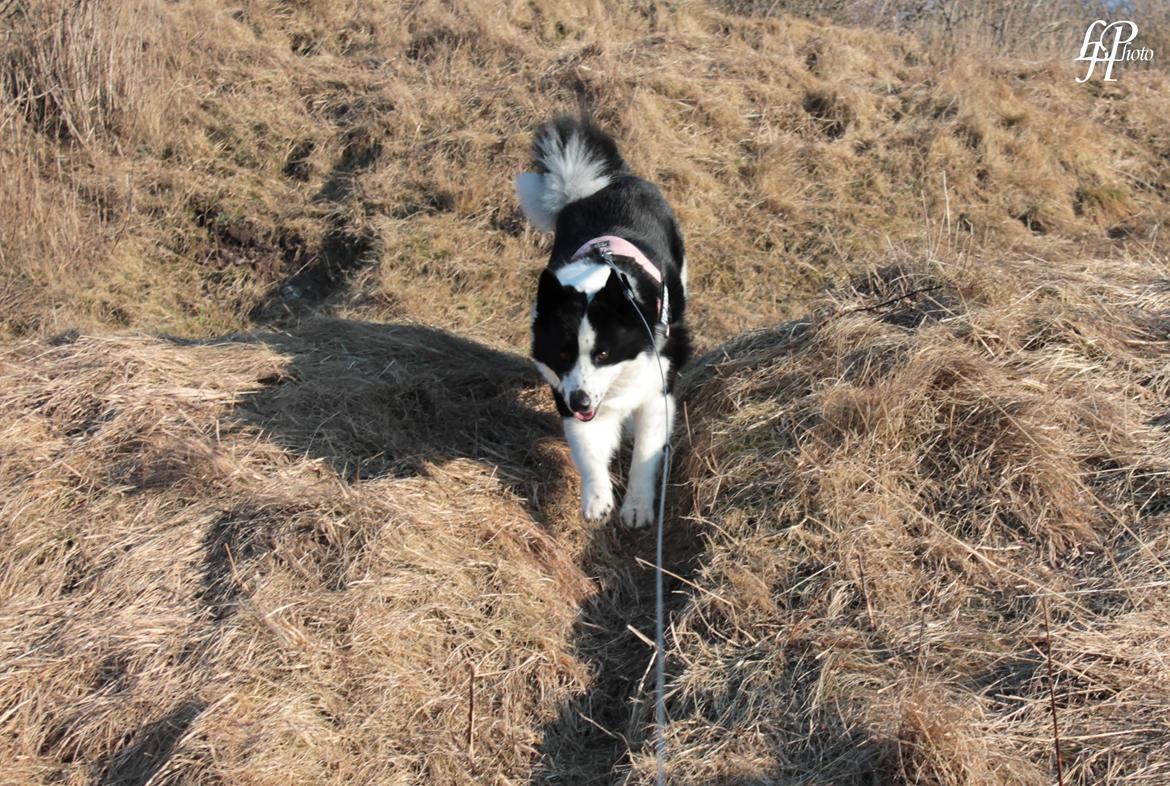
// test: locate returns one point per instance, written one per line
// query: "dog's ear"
(621, 302)
(550, 291)
(614, 291)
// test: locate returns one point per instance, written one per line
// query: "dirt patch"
(317, 275)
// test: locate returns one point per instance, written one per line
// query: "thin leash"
(659, 629)
(659, 594)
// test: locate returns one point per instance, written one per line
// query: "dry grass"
(214, 166)
(80, 69)
(186, 601)
(1040, 29)
(276, 556)
(890, 497)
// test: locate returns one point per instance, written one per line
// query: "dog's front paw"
(596, 502)
(638, 511)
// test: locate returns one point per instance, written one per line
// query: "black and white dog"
(613, 292)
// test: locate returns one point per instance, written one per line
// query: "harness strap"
(608, 245)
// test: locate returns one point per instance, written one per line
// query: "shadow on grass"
(389, 400)
(148, 749)
(375, 400)
(596, 737)
(591, 740)
(372, 401)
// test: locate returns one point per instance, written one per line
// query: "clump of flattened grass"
(893, 495)
(195, 589)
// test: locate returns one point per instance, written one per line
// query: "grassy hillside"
(199, 167)
(281, 502)
(195, 591)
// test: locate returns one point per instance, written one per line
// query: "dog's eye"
(601, 356)
(566, 354)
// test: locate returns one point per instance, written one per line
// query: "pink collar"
(621, 247)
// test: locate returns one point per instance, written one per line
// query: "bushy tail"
(574, 159)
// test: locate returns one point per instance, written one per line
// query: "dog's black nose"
(579, 401)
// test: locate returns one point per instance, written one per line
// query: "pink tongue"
(584, 417)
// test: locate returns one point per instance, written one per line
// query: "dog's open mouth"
(585, 417)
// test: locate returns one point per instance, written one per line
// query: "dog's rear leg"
(593, 445)
(653, 422)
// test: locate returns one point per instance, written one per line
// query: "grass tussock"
(909, 508)
(189, 598)
(80, 69)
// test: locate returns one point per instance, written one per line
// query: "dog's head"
(583, 341)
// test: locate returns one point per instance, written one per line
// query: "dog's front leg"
(593, 445)
(653, 422)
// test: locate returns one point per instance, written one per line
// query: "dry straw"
(347, 550)
(894, 497)
(196, 590)
(362, 152)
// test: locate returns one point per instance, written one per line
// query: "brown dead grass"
(185, 600)
(891, 495)
(84, 70)
(272, 557)
(279, 555)
(212, 166)
(1034, 31)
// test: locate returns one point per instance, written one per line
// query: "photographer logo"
(1108, 43)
